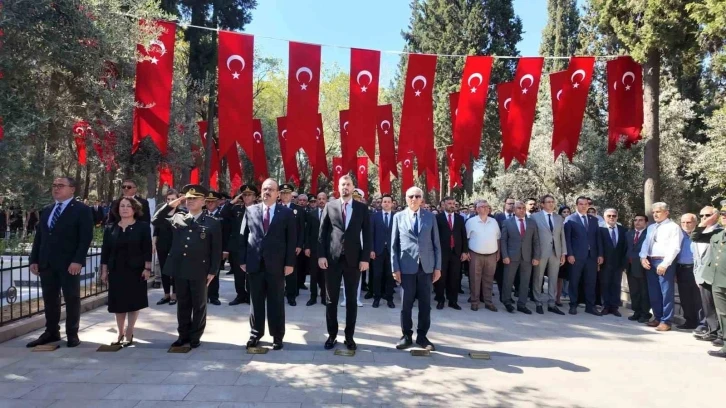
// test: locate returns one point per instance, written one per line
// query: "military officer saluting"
(193, 261)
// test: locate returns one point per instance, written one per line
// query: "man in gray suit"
(550, 227)
(416, 264)
(520, 251)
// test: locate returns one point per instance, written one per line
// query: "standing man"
(193, 261)
(454, 249)
(710, 329)
(520, 251)
(129, 189)
(658, 256)
(248, 195)
(531, 205)
(286, 200)
(416, 264)
(484, 238)
(615, 251)
(584, 254)
(267, 255)
(211, 209)
(551, 230)
(312, 226)
(637, 282)
(687, 287)
(381, 254)
(344, 250)
(60, 245)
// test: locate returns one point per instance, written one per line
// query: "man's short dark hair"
(71, 181)
(386, 195)
(128, 180)
(577, 200)
(641, 215)
(531, 199)
(544, 197)
(447, 198)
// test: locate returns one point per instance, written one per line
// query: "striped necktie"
(56, 214)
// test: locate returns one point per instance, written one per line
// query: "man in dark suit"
(615, 250)
(193, 260)
(344, 250)
(212, 209)
(267, 252)
(381, 254)
(637, 284)
(60, 245)
(520, 251)
(500, 217)
(130, 189)
(291, 289)
(454, 249)
(312, 227)
(584, 254)
(248, 195)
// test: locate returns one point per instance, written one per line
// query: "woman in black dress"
(126, 265)
(565, 212)
(163, 234)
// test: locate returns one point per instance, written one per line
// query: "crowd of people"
(536, 253)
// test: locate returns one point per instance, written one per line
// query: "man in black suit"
(382, 280)
(344, 249)
(454, 250)
(615, 252)
(60, 245)
(312, 228)
(130, 189)
(637, 283)
(291, 289)
(248, 195)
(267, 253)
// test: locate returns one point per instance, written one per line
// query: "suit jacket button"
(188, 238)
(190, 230)
(185, 254)
(204, 260)
(186, 246)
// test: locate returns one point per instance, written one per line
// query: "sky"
(373, 24)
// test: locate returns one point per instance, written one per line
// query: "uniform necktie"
(521, 227)
(637, 236)
(415, 224)
(549, 220)
(266, 220)
(451, 227)
(56, 214)
(613, 237)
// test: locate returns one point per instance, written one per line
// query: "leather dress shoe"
(425, 343)
(404, 343)
(235, 302)
(195, 344)
(163, 301)
(277, 344)
(368, 295)
(474, 308)
(555, 310)
(706, 336)
(663, 327)
(253, 342)
(686, 327)
(350, 343)
(524, 310)
(634, 317)
(653, 323)
(643, 319)
(573, 310)
(717, 343)
(291, 302)
(491, 307)
(509, 307)
(454, 306)
(593, 312)
(44, 338)
(540, 310)
(440, 305)
(179, 342)
(391, 304)
(717, 353)
(215, 302)
(330, 342)
(605, 312)
(73, 341)
(311, 302)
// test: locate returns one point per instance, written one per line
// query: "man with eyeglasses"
(637, 282)
(688, 291)
(615, 249)
(129, 189)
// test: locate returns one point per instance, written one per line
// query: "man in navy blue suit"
(381, 254)
(584, 254)
(615, 255)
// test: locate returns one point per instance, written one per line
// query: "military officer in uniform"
(193, 261)
(248, 195)
(291, 289)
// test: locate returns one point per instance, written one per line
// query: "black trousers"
(53, 281)
(167, 282)
(639, 298)
(689, 294)
(382, 282)
(240, 277)
(450, 280)
(291, 284)
(267, 288)
(317, 277)
(302, 271)
(416, 286)
(710, 318)
(336, 272)
(213, 290)
(191, 308)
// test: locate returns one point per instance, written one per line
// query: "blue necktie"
(56, 214)
(613, 237)
(584, 222)
(549, 219)
(415, 224)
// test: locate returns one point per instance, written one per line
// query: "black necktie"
(415, 223)
(549, 219)
(387, 226)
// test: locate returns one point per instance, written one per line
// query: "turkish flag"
(303, 89)
(417, 125)
(214, 165)
(259, 157)
(154, 73)
(625, 102)
(522, 107)
(321, 162)
(80, 129)
(454, 170)
(337, 174)
(235, 60)
(109, 143)
(557, 84)
(470, 108)
(406, 171)
(197, 158)
(504, 99)
(165, 175)
(348, 158)
(194, 175)
(289, 162)
(235, 168)
(364, 75)
(361, 173)
(433, 181)
(386, 148)
(573, 100)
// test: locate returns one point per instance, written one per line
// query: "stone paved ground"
(549, 361)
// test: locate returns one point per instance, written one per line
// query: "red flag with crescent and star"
(214, 165)
(573, 100)
(416, 134)
(504, 99)
(337, 174)
(289, 161)
(321, 164)
(406, 171)
(259, 157)
(625, 102)
(166, 176)
(154, 73)
(348, 156)
(454, 170)
(557, 84)
(522, 107)
(364, 75)
(361, 173)
(303, 90)
(386, 148)
(235, 61)
(470, 108)
(235, 168)
(81, 130)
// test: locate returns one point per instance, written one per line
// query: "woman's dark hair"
(563, 209)
(135, 204)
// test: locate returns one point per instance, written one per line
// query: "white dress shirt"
(483, 235)
(64, 204)
(663, 239)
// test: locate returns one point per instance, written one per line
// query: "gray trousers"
(510, 271)
(710, 318)
(550, 265)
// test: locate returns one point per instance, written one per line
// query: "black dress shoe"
(573, 310)
(350, 343)
(593, 312)
(616, 313)
(246, 299)
(195, 344)
(44, 338)
(73, 341)
(330, 342)
(634, 317)
(291, 302)
(706, 336)
(555, 310)
(163, 301)
(439, 305)
(454, 306)
(686, 327)
(404, 343)
(643, 319)
(524, 310)
(509, 307)
(717, 353)
(215, 302)
(235, 302)
(323, 301)
(391, 304)
(539, 309)
(179, 342)
(277, 344)
(425, 343)
(368, 295)
(605, 312)
(311, 302)
(461, 291)
(172, 302)
(469, 300)
(253, 342)
(376, 303)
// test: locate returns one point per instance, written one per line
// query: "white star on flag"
(154, 60)
(385, 132)
(524, 91)
(304, 87)
(235, 75)
(363, 89)
(473, 90)
(575, 85)
(418, 93)
(627, 87)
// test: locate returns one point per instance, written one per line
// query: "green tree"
(560, 36)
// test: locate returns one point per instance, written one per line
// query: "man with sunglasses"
(129, 189)
(709, 329)
(615, 249)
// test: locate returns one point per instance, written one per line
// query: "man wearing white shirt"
(659, 251)
(483, 236)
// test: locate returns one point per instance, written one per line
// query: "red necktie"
(451, 227)
(521, 227)
(344, 205)
(266, 220)
(637, 235)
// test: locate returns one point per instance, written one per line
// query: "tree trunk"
(651, 113)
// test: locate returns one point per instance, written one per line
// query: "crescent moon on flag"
(615, 85)
(158, 44)
(456, 112)
(407, 162)
(506, 103)
(475, 75)
(419, 78)
(235, 57)
(528, 76)
(345, 126)
(257, 136)
(283, 134)
(576, 73)
(362, 169)
(317, 137)
(364, 73)
(305, 70)
(628, 74)
(558, 94)
(339, 169)
(385, 122)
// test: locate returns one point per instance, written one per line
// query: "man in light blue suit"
(584, 254)
(416, 264)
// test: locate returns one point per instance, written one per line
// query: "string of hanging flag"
(366, 122)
